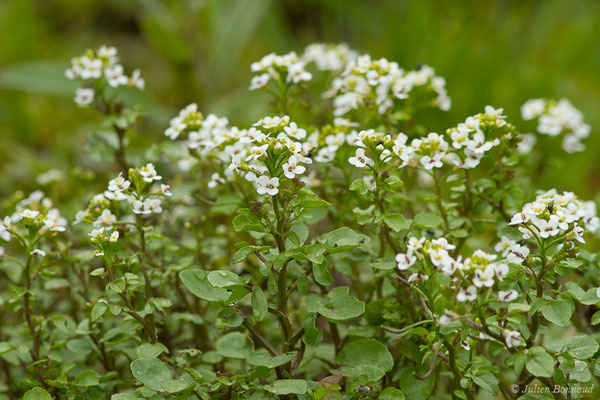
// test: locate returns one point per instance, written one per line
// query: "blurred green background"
(491, 52)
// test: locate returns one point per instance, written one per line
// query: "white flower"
(90, 68)
(527, 143)
(405, 261)
(360, 160)
(215, 180)
(465, 345)
(295, 132)
(293, 168)
(501, 270)
(153, 205)
(149, 174)
(518, 254)
(548, 228)
(507, 296)
(96, 233)
(165, 190)
(259, 81)
(297, 73)
(29, 214)
(114, 236)
(118, 184)
(519, 218)
(38, 252)
(504, 245)
(84, 97)
(54, 222)
(176, 126)
(137, 80)
(484, 277)
(576, 234)
(448, 317)
(533, 108)
(267, 185)
(141, 207)
(256, 152)
(468, 294)
(512, 338)
(414, 244)
(105, 220)
(114, 75)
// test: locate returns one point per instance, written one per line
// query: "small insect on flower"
(518, 254)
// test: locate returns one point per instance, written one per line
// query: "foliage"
(334, 249)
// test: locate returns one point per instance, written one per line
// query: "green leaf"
(342, 308)
(487, 381)
(224, 279)
(427, 220)
(344, 239)
(98, 310)
(539, 362)
(595, 320)
(557, 311)
(260, 305)
(590, 297)
(368, 352)
(396, 222)
(581, 347)
(87, 378)
(233, 345)
(288, 386)
(263, 358)
(195, 280)
(312, 334)
(124, 396)
(414, 388)
(391, 394)
(149, 350)
(37, 394)
(322, 275)
(575, 290)
(247, 221)
(175, 385)
(151, 372)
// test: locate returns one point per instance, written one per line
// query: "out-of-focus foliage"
(496, 52)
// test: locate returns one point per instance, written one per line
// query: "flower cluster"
(553, 214)
(477, 135)
(99, 68)
(287, 69)
(558, 117)
(329, 57)
(143, 197)
(33, 217)
(272, 148)
(381, 84)
(427, 151)
(481, 270)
